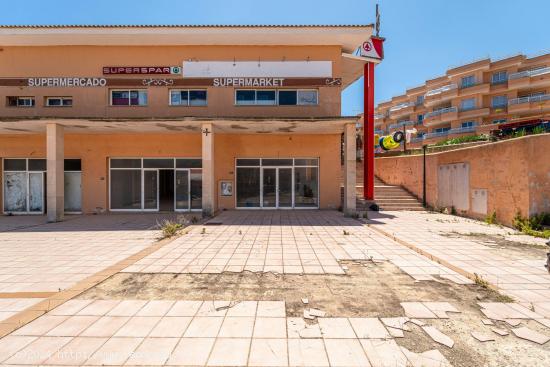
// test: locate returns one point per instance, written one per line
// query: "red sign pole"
(368, 132)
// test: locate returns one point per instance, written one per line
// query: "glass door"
(36, 192)
(181, 186)
(150, 189)
(284, 187)
(269, 187)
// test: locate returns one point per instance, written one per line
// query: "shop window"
(128, 98)
(247, 97)
(179, 97)
(20, 101)
(15, 164)
(59, 101)
(298, 97)
(188, 163)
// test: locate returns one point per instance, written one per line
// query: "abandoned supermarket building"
(176, 118)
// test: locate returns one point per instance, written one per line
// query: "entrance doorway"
(166, 190)
(277, 183)
(277, 187)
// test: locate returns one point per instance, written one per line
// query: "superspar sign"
(141, 70)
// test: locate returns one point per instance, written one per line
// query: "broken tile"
(396, 333)
(384, 353)
(418, 322)
(308, 316)
(440, 309)
(369, 328)
(513, 322)
(396, 322)
(298, 328)
(430, 358)
(487, 322)
(316, 312)
(417, 310)
(305, 301)
(336, 327)
(545, 322)
(531, 335)
(438, 336)
(482, 337)
(499, 331)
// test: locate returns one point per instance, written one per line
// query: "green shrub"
(170, 228)
(533, 226)
(462, 139)
(538, 130)
(491, 218)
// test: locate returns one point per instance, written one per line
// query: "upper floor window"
(499, 77)
(420, 99)
(499, 101)
(500, 121)
(467, 104)
(179, 97)
(468, 124)
(136, 97)
(420, 118)
(20, 101)
(283, 97)
(59, 101)
(255, 97)
(468, 81)
(442, 129)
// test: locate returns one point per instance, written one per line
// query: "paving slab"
(417, 310)
(438, 336)
(531, 335)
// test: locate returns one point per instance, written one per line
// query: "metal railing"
(531, 99)
(401, 106)
(436, 134)
(378, 116)
(440, 112)
(529, 73)
(417, 139)
(442, 89)
(401, 124)
(460, 130)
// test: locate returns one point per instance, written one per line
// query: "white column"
(55, 185)
(349, 169)
(208, 182)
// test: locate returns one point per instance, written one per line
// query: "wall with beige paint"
(95, 149)
(88, 61)
(515, 173)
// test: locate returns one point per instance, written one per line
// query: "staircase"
(394, 197)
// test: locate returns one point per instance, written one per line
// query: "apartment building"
(470, 99)
(176, 118)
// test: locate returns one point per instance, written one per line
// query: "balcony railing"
(531, 99)
(440, 112)
(379, 132)
(401, 124)
(378, 116)
(401, 106)
(442, 89)
(461, 130)
(417, 139)
(436, 135)
(529, 73)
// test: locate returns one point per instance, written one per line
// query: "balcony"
(462, 130)
(379, 132)
(530, 78)
(402, 109)
(436, 135)
(474, 112)
(474, 89)
(441, 94)
(525, 104)
(400, 124)
(439, 116)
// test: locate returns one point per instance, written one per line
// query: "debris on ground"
(531, 335)
(430, 358)
(499, 331)
(482, 337)
(417, 310)
(438, 336)
(440, 309)
(316, 312)
(305, 301)
(396, 322)
(487, 322)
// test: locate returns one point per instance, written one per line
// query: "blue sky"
(424, 37)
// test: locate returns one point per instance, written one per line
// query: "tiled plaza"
(196, 333)
(290, 242)
(523, 277)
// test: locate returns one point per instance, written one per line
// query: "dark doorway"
(166, 190)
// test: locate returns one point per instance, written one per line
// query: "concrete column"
(55, 184)
(208, 182)
(349, 169)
